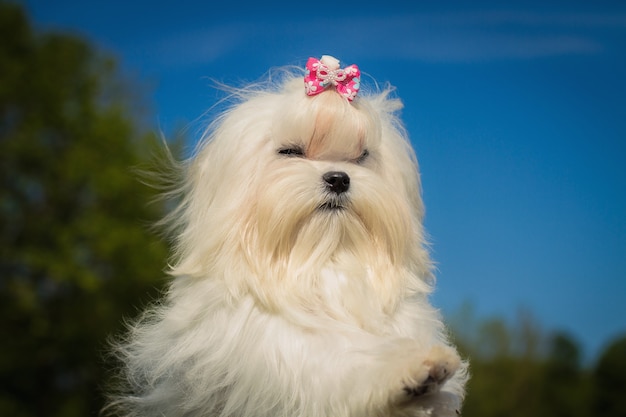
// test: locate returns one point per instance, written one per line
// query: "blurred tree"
(565, 388)
(75, 254)
(505, 369)
(609, 381)
(516, 370)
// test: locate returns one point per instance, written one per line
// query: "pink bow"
(320, 74)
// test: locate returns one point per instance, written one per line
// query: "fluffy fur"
(289, 299)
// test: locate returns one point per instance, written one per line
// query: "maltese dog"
(301, 274)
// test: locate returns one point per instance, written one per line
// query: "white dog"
(301, 277)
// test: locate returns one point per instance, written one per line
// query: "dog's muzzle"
(337, 182)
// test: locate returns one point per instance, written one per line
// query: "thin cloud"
(193, 46)
(467, 37)
(431, 37)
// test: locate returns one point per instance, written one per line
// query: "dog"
(300, 272)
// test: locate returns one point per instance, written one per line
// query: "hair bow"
(322, 73)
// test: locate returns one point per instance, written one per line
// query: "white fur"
(278, 308)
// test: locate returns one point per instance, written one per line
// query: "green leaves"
(518, 370)
(76, 254)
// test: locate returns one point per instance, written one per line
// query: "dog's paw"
(427, 377)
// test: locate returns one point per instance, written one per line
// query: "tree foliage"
(75, 252)
(610, 381)
(517, 370)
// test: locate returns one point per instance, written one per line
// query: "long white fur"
(279, 308)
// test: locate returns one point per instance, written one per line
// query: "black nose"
(337, 181)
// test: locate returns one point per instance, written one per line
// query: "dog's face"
(290, 185)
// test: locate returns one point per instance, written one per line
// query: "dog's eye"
(363, 157)
(293, 151)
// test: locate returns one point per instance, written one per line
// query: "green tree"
(505, 370)
(609, 378)
(75, 251)
(516, 370)
(565, 387)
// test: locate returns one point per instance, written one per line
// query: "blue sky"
(517, 111)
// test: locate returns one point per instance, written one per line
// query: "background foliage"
(76, 255)
(520, 370)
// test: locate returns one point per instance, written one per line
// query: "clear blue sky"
(517, 112)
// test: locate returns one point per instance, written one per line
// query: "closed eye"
(292, 151)
(363, 157)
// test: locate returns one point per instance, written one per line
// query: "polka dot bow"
(325, 72)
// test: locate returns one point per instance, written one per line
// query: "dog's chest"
(349, 293)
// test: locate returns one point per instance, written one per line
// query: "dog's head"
(287, 185)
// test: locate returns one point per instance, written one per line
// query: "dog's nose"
(337, 181)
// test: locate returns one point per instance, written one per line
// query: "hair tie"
(325, 72)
